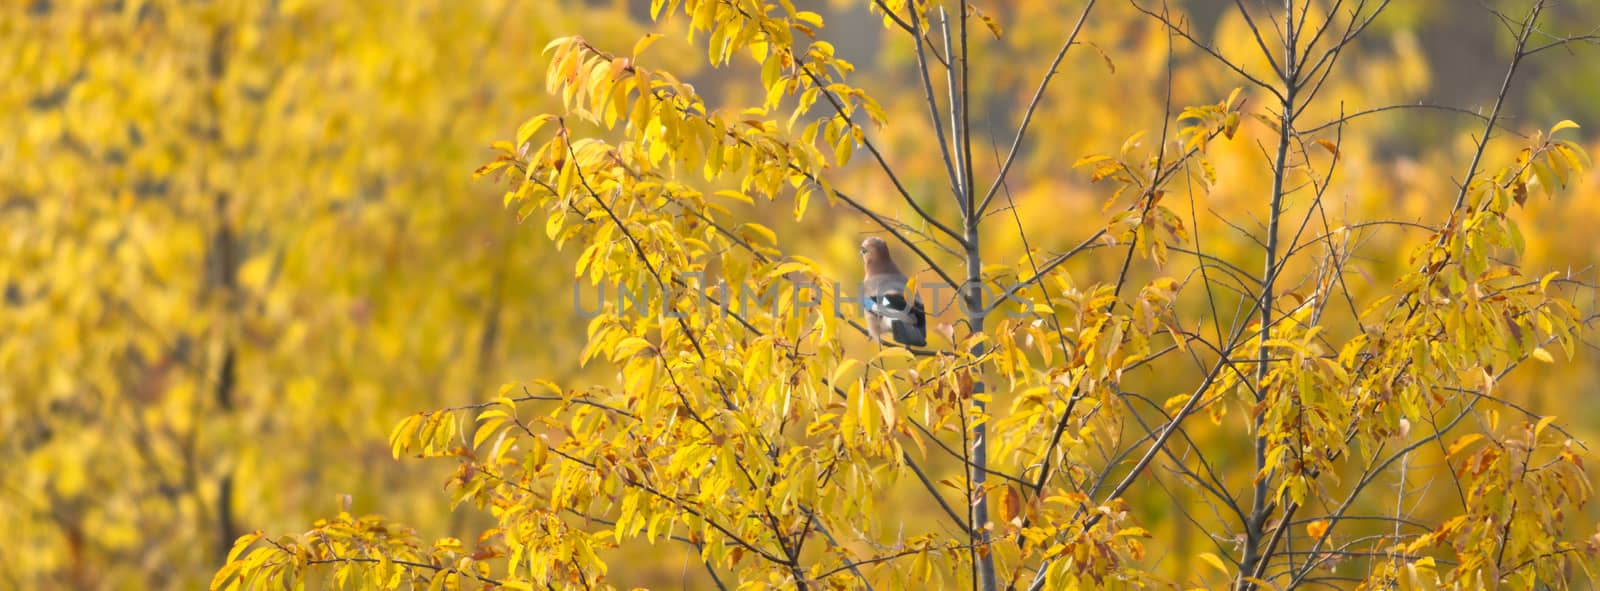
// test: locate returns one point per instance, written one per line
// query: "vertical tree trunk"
(972, 289)
(221, 281)
(1260, 505)
(224, 272)
(972, 297)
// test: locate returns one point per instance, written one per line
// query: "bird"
(883, 298)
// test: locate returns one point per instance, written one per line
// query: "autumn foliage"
(1195, 324)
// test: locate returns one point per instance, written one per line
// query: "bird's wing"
(911, 330)
(908, 335)
(919, 317)
(893, 306)
(882, 284)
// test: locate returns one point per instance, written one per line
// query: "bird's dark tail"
(910, 335)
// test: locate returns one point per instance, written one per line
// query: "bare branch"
(1500, 100)
(838, 106)
(1033, 104)
(1208, 49)
(933, 105)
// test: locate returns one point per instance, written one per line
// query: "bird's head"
(875, 254)
(874, 251)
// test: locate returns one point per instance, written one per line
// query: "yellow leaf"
(552, 226)
(628, 347)
(554, 43)
(586, 259)
(751, 229)
(801, 198)
(1173, 403)
(240, 544)
(639, 377)
(1564, 124)
(1262, 584)
(1542, 355)
(1329, 146)
(1010, 504)
(1544, 282)
(1317, 529)
(229, 572)
(644, 43)
(1090, 159)
(735, 195)
(994, 27)
(1233, 97)
(493, 413)
(400, 437)
(485, 431)
(530, 127)
(899, 353)
(846, 372)
(1131, 143)
(841, 150)
(1462, 443)
(1215, 562)
(788, 267)
(1544, 422)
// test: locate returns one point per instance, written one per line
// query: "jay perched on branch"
(883, 298)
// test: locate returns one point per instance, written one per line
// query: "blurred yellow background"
(240, 240)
